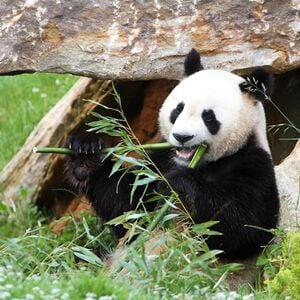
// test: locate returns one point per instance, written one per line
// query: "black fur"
(210, 121)
(239, 191)
(259, 84)
(192, 63)
(176, 112)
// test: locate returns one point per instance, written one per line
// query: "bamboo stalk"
(67, 151)
(53, 150)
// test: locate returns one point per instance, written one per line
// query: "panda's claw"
(84, 146)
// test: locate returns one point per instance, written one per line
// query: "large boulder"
(135, 39)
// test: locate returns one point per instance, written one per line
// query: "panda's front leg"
(183, 181)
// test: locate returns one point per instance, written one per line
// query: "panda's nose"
(182, 138)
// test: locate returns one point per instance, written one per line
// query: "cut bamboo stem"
(67, 151)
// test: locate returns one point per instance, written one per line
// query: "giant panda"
(234, 183)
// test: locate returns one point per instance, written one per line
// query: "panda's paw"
(87, 158)
(85, 146)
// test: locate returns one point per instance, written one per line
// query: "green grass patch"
(24, 100)
(72, 286)
(35, 263)
(286, 281)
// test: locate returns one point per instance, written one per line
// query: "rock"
(288, 181)
(146, 39)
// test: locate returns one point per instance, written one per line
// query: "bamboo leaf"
(169, 217)
(144, 181)
(130, 160)
(87, 255)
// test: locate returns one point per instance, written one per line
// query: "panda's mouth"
(186, 153)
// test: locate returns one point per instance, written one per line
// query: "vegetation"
(24, 100)
(284, 278)
(35, 263)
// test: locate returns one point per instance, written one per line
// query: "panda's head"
(214, 107)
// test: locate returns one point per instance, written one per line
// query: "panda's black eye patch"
(176, 112)
(209, 119)
(208, 115)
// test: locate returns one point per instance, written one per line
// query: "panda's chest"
(222, 170)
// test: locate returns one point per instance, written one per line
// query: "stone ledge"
(146, 39)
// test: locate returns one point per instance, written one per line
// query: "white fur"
(240, 115)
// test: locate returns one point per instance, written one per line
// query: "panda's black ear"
(259, 84)
(192, 63)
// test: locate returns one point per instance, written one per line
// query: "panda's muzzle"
(185, 148)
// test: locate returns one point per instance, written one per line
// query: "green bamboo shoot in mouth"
(197, 156)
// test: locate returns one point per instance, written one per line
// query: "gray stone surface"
(146, 39)
(288, 179)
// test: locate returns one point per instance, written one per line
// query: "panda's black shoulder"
(254, 160)
(250, 162)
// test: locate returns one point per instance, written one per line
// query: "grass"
(24, 100)
(35, 263)
(285, 281)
